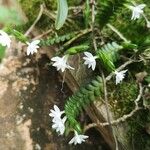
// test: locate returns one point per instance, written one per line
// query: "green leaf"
(62, 12)
(2, 51)
(129, 45)
(108, 55)
(106, 60)
(10, 16)
(18, 35)
(77, 49)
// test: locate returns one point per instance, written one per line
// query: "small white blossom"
(148, 24)
(58, 122)
(59, 125)
(61, 63)
(90, 60)
(120, 76)
(32, 47)
(137, 11)
(56, 113)
(4, 39)
(78, 138)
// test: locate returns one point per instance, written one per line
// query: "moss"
(122, 102)
(31, 8)
(122, 98)
(137, 134)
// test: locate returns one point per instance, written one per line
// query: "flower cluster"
(58, 121)
(61, 62)
(59, 125)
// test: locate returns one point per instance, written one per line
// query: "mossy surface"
(137, 135)
(122, 102)
(122, 98)
(31, 8)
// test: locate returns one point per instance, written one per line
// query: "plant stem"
(93, 24)
(82, 32)
(107, 110)
(117, 32)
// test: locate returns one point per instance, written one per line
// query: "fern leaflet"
(80, 100)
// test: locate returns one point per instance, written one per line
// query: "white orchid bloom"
(58, 122)
(59, 125)
(56, 113)
(90, 60)
(61, 63)
(120, 75)
(78, 138)
(32, 47)
(137, 11)
(4, 39)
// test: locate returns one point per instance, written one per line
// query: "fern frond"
(108, 8)
(56, 40)
(80, 100)
(108, 54)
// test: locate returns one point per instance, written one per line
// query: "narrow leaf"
(62, 12)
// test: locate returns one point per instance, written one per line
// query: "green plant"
(80, 100)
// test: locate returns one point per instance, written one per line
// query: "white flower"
(90, 60)
(32, 47)
(4, 39)
(59, 125)
(137, 11)
(148, 24)
(61, 63)
(120, 76)
(56, 113)
(58, 122)
(78, 138)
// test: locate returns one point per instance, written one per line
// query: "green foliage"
(10, 16)
(77, 49)
(62, 12)
(57, 39)
(147, 79)
(86, 13)
(18, 35)
(80, 100)
(137, 131)
(108, 8)
(129, 45)
(122, 98)
(28, 7)
(2, 51)
(108, 54)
